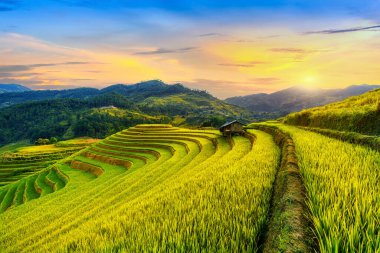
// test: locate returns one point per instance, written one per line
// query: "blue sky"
(236, 47)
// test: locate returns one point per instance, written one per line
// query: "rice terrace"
(189, 126)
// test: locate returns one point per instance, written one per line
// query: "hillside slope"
(296, 98)
(356, 114)
(69, 118)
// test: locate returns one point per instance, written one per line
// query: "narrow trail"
(288, 229)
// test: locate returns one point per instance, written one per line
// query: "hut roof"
(229, 123)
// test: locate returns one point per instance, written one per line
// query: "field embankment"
(288, 229)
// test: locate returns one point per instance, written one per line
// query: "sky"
(229, 48)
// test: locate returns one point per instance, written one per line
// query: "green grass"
(8, 198)
(42, 185)
(19, 195)
(30, 189)
(81, 142)
(14, 146)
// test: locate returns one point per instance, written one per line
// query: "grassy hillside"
(356, 114)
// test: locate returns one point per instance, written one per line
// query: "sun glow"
(310, 81)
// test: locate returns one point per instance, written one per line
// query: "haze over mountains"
(296, 98)
(12, 88)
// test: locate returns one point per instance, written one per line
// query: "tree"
(42, 141)
(53, 140)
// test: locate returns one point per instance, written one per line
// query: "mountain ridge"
(296, 98)
(5, 88)
(135, 92)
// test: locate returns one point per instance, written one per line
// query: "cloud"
(269, 36)
(347, 30)
(289, 50)
(211, 35)
(265, 80)
(8, 5)
(224, 88)
(13, 75)
(297, 54)
(4, 8)
(166, 51)
(18, 81)
(16, 68)
(242, 65)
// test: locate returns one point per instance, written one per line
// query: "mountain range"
(136, 92)
(295, 98)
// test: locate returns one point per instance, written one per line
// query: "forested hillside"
(73, 113)
(68, 118)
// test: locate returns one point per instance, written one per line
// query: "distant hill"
(99, 113)
(11, 98)
(355, 114)
(4, 88)
(296, 98)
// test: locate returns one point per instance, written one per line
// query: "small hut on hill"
(232, 128)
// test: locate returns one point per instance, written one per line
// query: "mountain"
(4, 88)
(99, 113)
(136, 92)
(296, 98)
(355, 114)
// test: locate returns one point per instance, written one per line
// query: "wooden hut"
(232, 128)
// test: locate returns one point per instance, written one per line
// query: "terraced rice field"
(27, 172)
(158, 188)
(30, 160)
